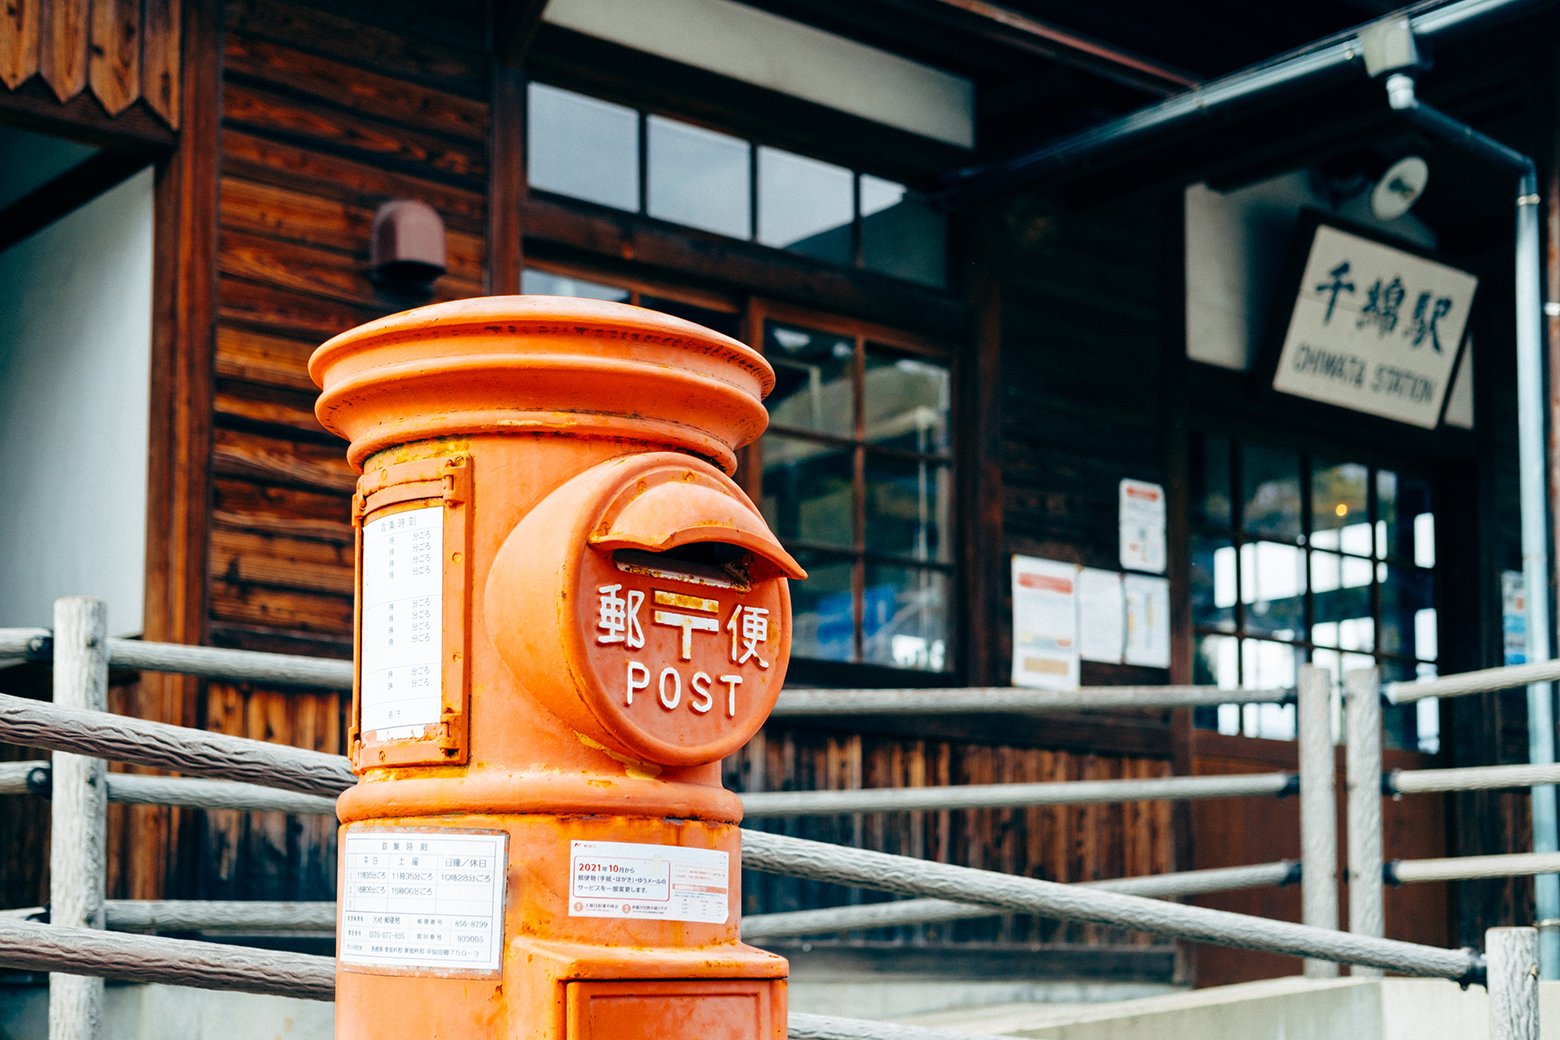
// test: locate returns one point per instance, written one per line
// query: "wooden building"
(973, 355)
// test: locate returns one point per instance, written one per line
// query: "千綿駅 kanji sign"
(1374, 329)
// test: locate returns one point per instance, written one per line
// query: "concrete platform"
(1276, 1009)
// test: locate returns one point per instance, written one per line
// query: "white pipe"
(1531, 454)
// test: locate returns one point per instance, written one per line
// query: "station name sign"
(1374, 329)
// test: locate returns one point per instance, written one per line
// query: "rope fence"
(227, 772)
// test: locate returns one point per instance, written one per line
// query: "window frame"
(761, 311)
(1311, 457)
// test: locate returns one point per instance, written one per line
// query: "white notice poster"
(1101, 616)
(423, 899)
(663, 882)
(1045, 623)
(1142, 519)
(403, 623)
(1148, 620)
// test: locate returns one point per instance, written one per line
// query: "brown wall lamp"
(407, 251)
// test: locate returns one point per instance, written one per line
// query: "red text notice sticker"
(658, 882)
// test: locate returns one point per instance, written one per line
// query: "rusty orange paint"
(608, 616)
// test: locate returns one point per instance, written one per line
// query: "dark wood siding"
(326, 114)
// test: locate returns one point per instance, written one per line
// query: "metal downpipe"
(1530, 462)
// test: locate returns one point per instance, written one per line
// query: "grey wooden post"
(79, 813)
(1318, 811)
(1363, 776)
(1512, 955)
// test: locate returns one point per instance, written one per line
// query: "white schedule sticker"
(421, 899)
(403, 622)
(663, 882)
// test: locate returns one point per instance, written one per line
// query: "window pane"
(1407, 612)
(1270, 492)
(1211, 481)
(1340, 508)
(907, 402)
(1407, 526)
(721, 321)
(1340, 602)
(545, 283)
(908, 507)
(807, 490)
(699, 178)
(901, 234)
(1272, 579)
(822, 622)
(1217, 662)
(813, 389)
(1213, 583)
(582, 147)
(1266, 665)
(804, 205)
(905, 618)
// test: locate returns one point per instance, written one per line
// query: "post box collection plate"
(410, 700)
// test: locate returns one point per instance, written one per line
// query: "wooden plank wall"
(327, 112)
(118, 52)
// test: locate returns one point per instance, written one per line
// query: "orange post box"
(567, 613)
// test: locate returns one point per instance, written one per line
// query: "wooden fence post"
(1318, 811)
(1512, 955)
(79, 813)
(1363, 777)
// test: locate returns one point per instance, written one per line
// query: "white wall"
(75, 369)
(758, 47)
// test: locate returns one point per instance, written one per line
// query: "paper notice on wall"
(1142, 518)
(401, 683)
(423, 899)
(1148, 620)
(1045, 623)
(1101, 616)
(660, 882)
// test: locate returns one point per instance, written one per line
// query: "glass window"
(699, 178)
(856, 459)
(1327, 560)
(814, 379)
(907, 401)
(582, 147)
(901, 234)
(590, 149)
(805, 205)
(545, 283)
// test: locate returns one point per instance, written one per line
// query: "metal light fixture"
(407, 251)
(1396, 191)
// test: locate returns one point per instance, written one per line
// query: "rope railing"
(179, 749)
(1468, 778)
(1469, 868)
(238, 773)
(1487, 680)
(867, 916)
(993, 700)
(206, 662)
(798, 857)
(35, 777)
(781, 804)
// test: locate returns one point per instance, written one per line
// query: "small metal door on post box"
(567, 614)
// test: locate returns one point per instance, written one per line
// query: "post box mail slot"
(645, 602)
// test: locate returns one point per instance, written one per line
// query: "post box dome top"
(539, 365)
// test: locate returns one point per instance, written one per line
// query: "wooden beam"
(514, 29)
(596, 234)
(65, 193)
(33, 106)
